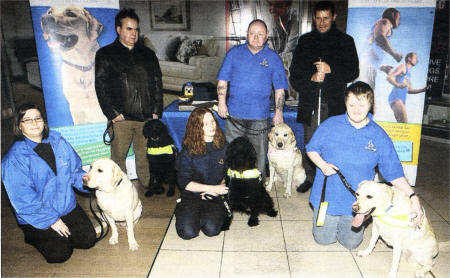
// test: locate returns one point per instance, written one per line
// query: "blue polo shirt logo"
(264, 63)
(370, 146)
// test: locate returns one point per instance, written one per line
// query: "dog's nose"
(355, 207)
(280, 145)
(85, 179)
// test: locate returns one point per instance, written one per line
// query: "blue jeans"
(337, 228)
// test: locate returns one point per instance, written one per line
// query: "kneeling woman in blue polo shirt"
(353, 144)
(201, 170)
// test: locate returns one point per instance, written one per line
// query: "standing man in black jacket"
(128, 85)
(324, 61)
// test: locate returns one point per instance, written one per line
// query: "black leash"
(243, 128)
(346, 184)
(102, 232)
(111, 137)
(222, 198)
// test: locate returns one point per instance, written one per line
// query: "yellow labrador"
(72, 31)
(116, 196)
(390, 209)
(285, 159)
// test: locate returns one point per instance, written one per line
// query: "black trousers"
(194, 214)
(56, 248)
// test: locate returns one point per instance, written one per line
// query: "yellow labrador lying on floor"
(116, 196)
(390, 208)
(285, 159)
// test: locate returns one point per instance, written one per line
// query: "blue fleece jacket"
(38, 196)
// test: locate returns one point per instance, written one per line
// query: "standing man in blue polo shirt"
(251, 69)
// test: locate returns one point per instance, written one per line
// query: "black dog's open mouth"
(361, 217)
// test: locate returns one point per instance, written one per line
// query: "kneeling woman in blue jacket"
(201, 170)
(39, 173)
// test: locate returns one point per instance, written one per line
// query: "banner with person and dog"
(393, 39)
(68, 34)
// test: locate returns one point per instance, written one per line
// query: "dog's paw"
(287, 195)
(363, 253)
(133, 246)
(253, 221)
(113, 240)
(420, 273)
(392, 274)
(272, 213)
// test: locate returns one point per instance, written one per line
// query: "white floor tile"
(186, 264)
(267, 236)
(295, 208)
(254, 265)
(298, 237)
(323, 265)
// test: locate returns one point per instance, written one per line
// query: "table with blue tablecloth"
(176, 123)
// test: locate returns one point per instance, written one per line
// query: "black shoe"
(304, 187)
(170, 192)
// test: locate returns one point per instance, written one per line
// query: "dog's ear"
(116, 174)
(145, 129)
(93, 26)
(271, 135)
(293, 142)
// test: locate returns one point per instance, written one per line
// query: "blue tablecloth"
(176, 123)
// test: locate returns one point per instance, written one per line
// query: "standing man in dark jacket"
(324, 61)
(128, 85)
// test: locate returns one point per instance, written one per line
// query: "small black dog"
(247, 193)
(161, 155)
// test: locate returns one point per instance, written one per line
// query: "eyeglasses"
(30, 121)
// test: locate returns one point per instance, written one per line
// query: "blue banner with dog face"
(393, 39)
(68, 34)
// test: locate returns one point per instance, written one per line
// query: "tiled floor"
(284, 247)
(278, 247)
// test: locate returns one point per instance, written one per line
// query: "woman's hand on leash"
(328, 169)
(221, 189)
(61, 228)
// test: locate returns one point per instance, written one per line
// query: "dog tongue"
(358, 220)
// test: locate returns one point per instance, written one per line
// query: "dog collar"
(78, 67)
(160, 150)
(247, 174)
(277, 151)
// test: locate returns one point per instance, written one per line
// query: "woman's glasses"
(30, 121)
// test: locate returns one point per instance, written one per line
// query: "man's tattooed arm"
(279, 100)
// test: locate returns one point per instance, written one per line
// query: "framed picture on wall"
(169, 15)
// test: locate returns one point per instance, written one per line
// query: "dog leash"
(211, 197)
(102, 232)
(323, 204)
(346, 184)
(242, 127)
(111, 137)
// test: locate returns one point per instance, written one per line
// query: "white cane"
(320, 96)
